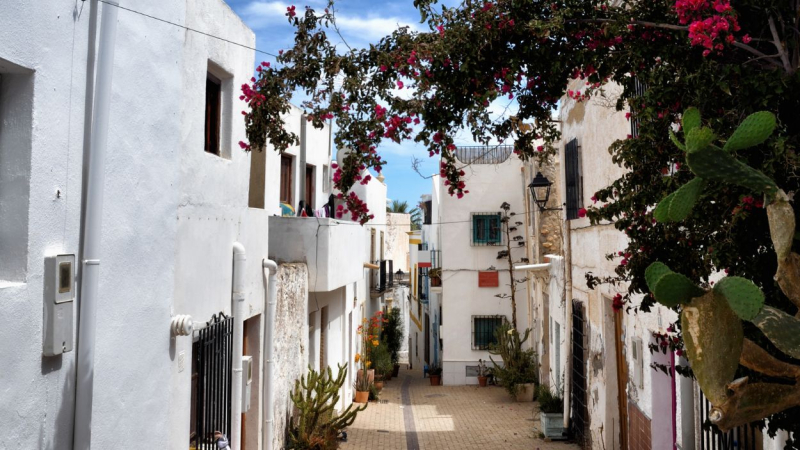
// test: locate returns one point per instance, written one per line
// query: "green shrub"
(519, 365)
(549, 402)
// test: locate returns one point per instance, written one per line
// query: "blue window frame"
(486, 229)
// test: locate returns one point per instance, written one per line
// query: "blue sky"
(361, 22)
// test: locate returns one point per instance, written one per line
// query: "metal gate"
(212, 358)
(578, 425)
(711, 438)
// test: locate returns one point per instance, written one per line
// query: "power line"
(186, 28)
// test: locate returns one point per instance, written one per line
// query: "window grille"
(574, 179)
(483, 331)
(486, 229)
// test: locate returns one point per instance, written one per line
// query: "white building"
(183, 232)
(464, 237)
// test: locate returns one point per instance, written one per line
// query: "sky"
(361, 22)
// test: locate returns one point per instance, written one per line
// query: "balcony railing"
(384, 278)
(492, 154)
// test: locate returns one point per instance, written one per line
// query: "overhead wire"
(186, 28)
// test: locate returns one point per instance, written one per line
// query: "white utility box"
(59, 299)
(247, 380)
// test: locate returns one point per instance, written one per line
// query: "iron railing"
(211, 400)
(481, 154)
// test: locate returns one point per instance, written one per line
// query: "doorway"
(622, 378)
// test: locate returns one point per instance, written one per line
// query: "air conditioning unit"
(638, 362)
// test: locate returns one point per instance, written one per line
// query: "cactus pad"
(744, 297)
(713, 337)
(690, 120)
(755, 129)
(673, 289)
(674, 139)
(781, 225)
(661, 213)
(655, 271)
(684, 198)
(715, 164)
(698, 139)
(781, 329)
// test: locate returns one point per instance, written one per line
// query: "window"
(213, 110)
(573, 178)
(286, 179)
(310, 186)
(16, 128)
(326, 178)
(483, 331)
(486, 229)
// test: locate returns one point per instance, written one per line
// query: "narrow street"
(414, 415)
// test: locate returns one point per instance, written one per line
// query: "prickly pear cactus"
(743, 296)
(670, 288)
(714, 164)
(753, 130)
(713, 338)
(781, 329)
(685, 198)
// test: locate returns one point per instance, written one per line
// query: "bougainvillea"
(727, 58)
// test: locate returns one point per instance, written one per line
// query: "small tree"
(519, 364)
(392, 333)
(507, 254)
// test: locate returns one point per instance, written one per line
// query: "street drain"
(383, 402)
(383, 431)
(435, 395)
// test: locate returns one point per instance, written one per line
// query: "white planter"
(553, 425)
(525, 392)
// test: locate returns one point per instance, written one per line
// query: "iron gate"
(212, 358)
(578, 425)
(711, 438)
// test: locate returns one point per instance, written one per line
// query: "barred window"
(486, 229)
(483, 331)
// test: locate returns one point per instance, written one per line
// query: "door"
(310, 187)
(286, 179)
(622, 378)
(580, 416)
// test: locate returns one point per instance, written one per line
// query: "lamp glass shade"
(540, 190)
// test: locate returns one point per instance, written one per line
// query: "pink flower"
(399, 84)
(582, 212)
(746, 39)
(290, 11)
(540, 148)
(383, 68)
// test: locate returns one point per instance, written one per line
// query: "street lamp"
(400, 275)
(540, 190)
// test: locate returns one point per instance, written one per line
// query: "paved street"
(418, 416)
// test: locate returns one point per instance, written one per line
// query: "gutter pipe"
(237, 307)
(568, 296)
(92, 230)
(534, 267)
(270, 268)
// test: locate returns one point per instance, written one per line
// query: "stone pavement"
(413, 415)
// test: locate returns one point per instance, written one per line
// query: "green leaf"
(713, 337)
(674, 139)
(655, 271)
(715, 164)
(744, 297)
(673, 289)
(780, 328)
(690, 120)
(685, 198)
(698, 139)
(661, 213)
(755, 129)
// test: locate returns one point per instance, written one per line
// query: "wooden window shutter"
(574, 178)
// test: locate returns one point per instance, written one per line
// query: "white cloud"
(259, 14)
(370, 28)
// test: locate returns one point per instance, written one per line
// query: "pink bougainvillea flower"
(582, 212)
(399, 84)
(290, 11)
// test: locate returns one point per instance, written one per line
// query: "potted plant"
(551, 405)
(383, 361)
(392, 334)
(483, 379)
(436, 276)
(435, 374)
(519, 368)
(362, 386)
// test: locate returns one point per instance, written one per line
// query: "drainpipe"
(302, 161)
(92, 231)
(271, 272)
(568, 296)
(237, 298)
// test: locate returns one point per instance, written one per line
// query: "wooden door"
(309, 186)
(622, 379)
(286, 179)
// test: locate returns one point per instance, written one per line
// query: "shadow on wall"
(61, 437)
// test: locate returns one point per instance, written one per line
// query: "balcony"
(334, 252)
(382, 279)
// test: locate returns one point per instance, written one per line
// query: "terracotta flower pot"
(379, 385)
(435, 380)
(370, 375)
(482, 381)
(362, 396)
(396, 370)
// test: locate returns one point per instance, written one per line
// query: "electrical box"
(59, 300)
(247, 380)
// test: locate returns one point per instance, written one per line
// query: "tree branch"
(666, 26)
(781, 50)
